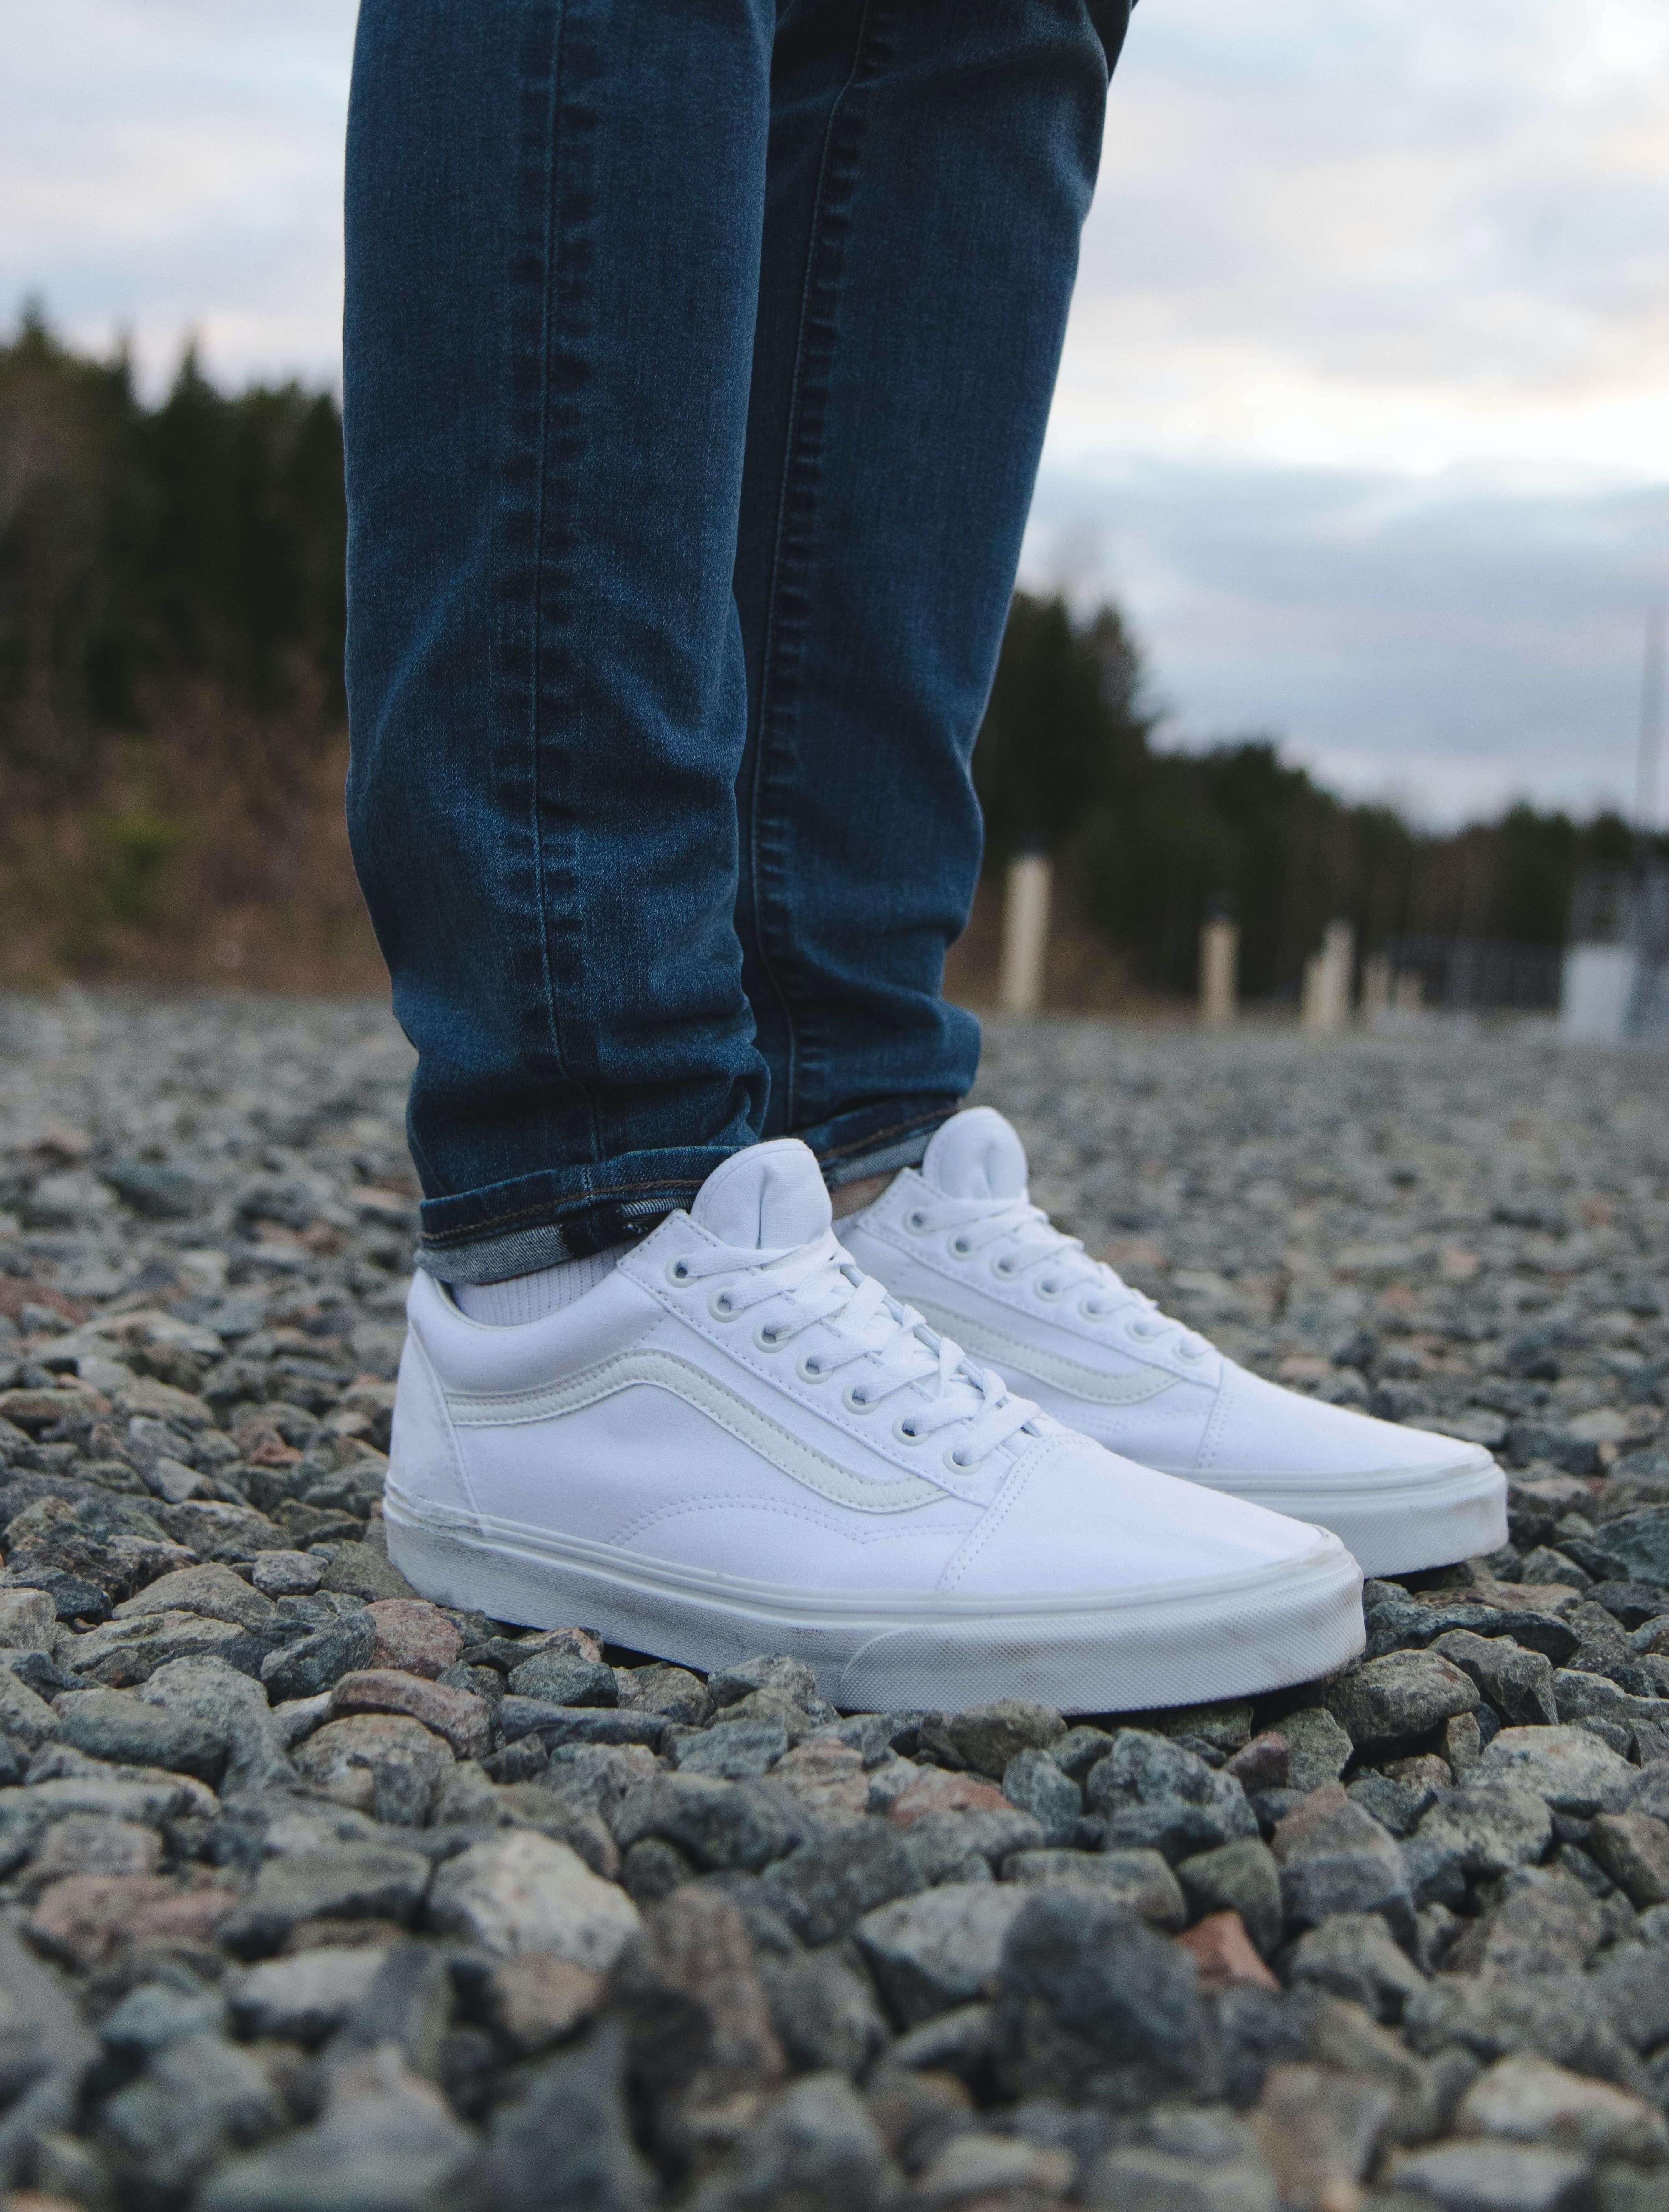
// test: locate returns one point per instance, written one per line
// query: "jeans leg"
(555, 212)
(930, 166)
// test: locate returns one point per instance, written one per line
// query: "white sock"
(526, 1297)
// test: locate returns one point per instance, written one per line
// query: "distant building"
(1614, 988)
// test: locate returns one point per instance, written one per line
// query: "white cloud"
(1341, 231)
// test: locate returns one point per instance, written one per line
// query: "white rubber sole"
(1185, 1644)
(1397, 1521)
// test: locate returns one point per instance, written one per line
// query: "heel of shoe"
(425, 1466)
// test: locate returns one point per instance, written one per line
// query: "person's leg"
(554, 228)
(930, 166)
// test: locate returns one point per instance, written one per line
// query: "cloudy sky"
(1365, 409)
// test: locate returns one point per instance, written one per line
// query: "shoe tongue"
(975, 1155)
(770, 1197)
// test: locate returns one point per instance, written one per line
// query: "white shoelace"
(1031, 1242)
(818, 1285)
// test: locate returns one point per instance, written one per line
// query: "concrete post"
(1327, 1003)
(1219, 962)
(1025, 931)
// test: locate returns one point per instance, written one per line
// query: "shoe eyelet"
(854, 1399)
(1050, 1290)
(1002, 1267)
(960, 1246)
(956, 1463)
(1183, 1352)
(678, 1272)
(916, 1221)
(1143, 1332)
(809, 1368)
(720, 1306)
(766, 1338)
(1090, 1310)
(905, 1431)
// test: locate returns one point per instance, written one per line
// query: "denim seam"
(876, 1138)
(795, 461)
(554, 1208)
(549, 409)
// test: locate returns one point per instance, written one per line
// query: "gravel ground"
(313, 1895)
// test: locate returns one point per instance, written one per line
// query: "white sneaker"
(737, 1442)
(960, 1240)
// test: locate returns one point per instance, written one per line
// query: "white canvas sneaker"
(737, 1442)
(960, 1240)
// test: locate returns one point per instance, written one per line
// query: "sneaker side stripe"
(1011, 1356)
(727, 1408)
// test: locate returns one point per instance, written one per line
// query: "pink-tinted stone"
(938, 1791)
(825, 1779)
(458, 1716)
(1224, 1953)
(414, 1636)
(86, 1919)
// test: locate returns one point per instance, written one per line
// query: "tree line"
(1150, 841)
(172, 717)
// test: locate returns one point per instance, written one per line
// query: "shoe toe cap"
(1265, 1429)
(1075, 1517)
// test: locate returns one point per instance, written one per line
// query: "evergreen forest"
(173, 733)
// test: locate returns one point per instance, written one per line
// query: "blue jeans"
(697, 359)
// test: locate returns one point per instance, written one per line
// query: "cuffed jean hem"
(538, 1220)
(877, 1140)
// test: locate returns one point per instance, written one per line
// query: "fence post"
(1219, 960)
(1326, 1002)
(1025, 931)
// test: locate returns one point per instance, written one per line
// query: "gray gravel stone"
(1355, 1956)
(1518, 1683)
(1318, 1749)
(305, 1998)
(1093, 2002)
(386, 2144)
(824, 2013)
(564, 2140)
(113, 1725)
(198, 2100)
(1633, 1848)
(1334, 1858)
(1475, 2177)
(302, 1669)
(562, 1678)
(1528, 2099)
(1033, 1781)
(1143, 2180)
(1474, 1834)
(814, 2145)
(719, 1824)
(521, 1891)
(351, 1882)
(1568, 1767)
(735, 1753)
(791, 1679)
(1402, 1695)
(988, 1737)
(1139, 1880)
(1157, 1794)
(827, 1884)
(1241, 1877)
(938, 1949)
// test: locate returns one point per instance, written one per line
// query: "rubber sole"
(1186, 1644)
(1397, 1522)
